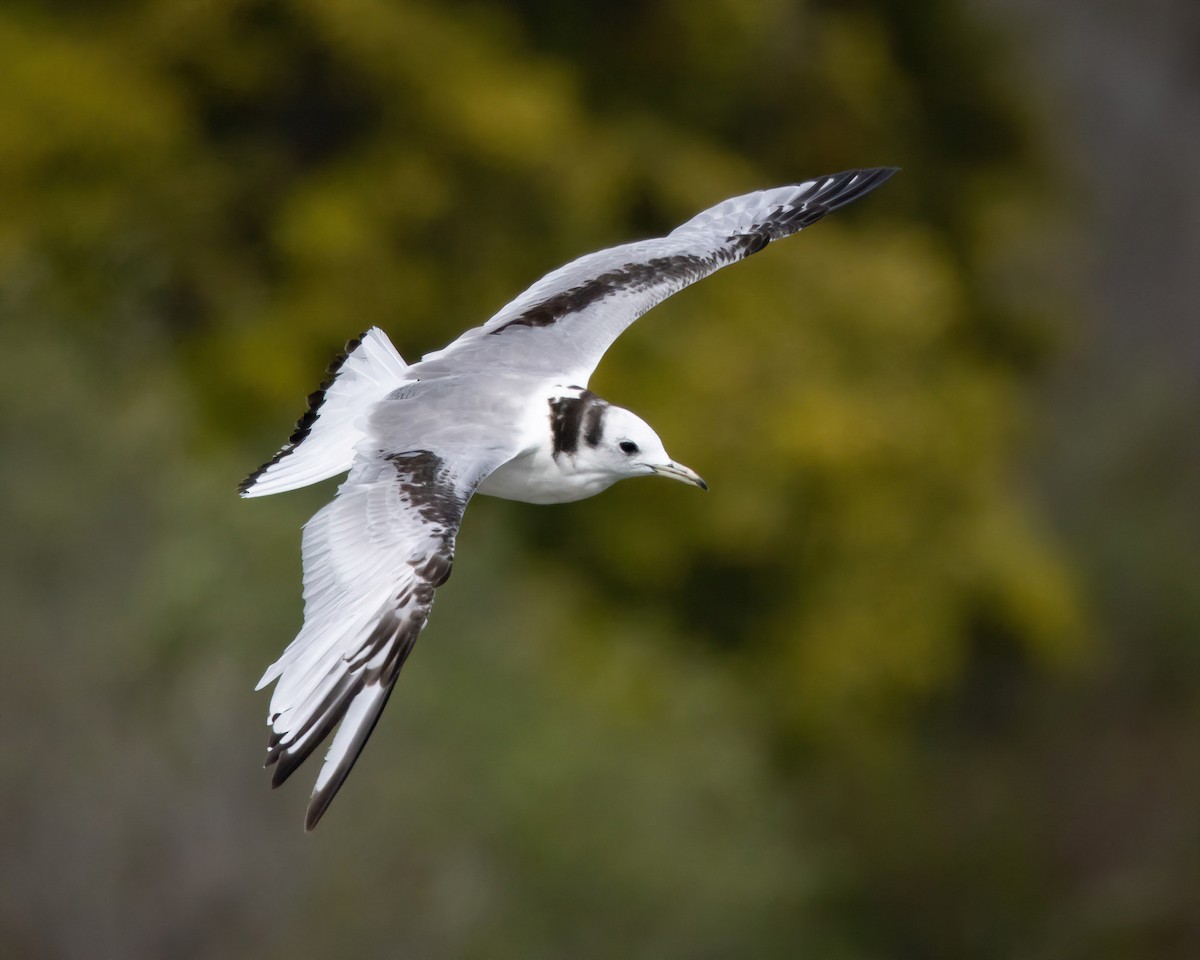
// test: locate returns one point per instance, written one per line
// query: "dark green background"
(916, 679)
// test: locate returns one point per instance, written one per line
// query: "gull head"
(628, 447)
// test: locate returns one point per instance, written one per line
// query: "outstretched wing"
(563, 324)
(372, 560)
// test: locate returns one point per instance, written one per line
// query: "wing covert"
(562, 325)
(373, 558)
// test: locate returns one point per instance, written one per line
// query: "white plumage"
(503, 410)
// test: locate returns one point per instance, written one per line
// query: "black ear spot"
(629, 447)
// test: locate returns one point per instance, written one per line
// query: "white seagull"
(504, 410)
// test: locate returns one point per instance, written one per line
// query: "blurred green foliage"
(653, 724)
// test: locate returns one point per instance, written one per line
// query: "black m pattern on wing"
(562, 325)
(631, 278)
(375, 555)
(825, 195)
(381, 547)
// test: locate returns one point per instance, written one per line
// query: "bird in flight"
(505, 411)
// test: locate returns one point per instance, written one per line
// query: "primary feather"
(420, 440)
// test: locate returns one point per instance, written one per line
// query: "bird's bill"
(677, 471)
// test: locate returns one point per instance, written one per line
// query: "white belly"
(538, 478)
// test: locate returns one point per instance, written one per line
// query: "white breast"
(538, 477)
(542, 473)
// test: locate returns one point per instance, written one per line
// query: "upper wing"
(372, 559)
(563, 324)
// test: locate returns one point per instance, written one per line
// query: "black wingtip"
(316, 809)
(243, 488)
(305, 424)
(847, 186)
(820, 197)
(322, 797)
(880, 175)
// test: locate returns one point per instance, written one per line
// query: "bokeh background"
(919, 678)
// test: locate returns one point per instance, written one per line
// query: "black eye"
(629, 447)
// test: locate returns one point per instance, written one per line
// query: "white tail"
(323, 442)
